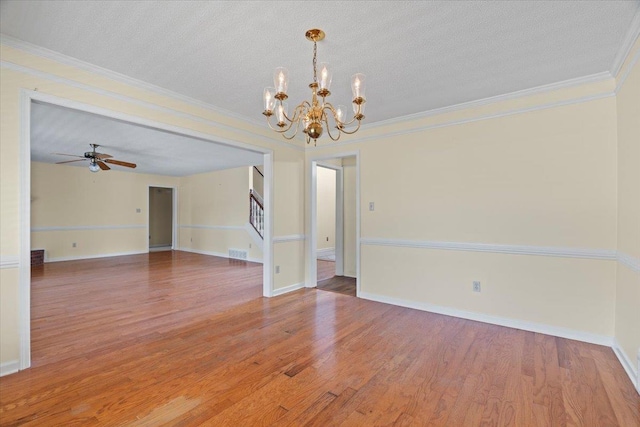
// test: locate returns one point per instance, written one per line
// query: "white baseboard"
(327, 254)
(218, 254)
(287, 289)
(10, 367)
(495, 320)
(627, 364)
(79, 257)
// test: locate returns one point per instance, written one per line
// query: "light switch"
(371, 206)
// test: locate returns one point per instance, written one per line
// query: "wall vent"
(237, 254)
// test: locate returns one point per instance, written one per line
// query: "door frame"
(27, 97)
(312, 220)
(174, 214)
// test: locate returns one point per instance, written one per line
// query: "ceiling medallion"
(314, 115)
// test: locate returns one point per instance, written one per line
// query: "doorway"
(28, 100)
(334, 226)
(161, 219)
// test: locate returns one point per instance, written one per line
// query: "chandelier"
(318, 114)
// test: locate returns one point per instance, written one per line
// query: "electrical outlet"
(476, 286)
(138, 210)
(73, 245)
(372, 206)
(277, 269)
(249, 245)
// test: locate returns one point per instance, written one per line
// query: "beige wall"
(27, 71)
(160, 216)
(96, 211)
(213, 212)
(326, 208)
(627, 331)
(540, 178)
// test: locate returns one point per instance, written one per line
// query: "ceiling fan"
(97, 160)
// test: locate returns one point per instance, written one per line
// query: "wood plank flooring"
(341, 284)
(180, 339)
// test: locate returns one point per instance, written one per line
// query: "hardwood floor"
(180, 339)
(341, 284)
(326, 269)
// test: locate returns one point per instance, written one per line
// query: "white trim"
(289, 238)
(629, 368)
(622, 79)
(267, 247)
(9, 261)
(325, 251)
(287, 289)
(219, 254)
(213, 227)
(24, 307)
(10, 367)
(87, 227)
(494, 320)
(94, 256)
(630, 38)
(604, 254)
(629, 261)
(149, 105)
(511, 112)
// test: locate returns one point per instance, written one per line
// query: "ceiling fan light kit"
(97, 161)
(314, 116)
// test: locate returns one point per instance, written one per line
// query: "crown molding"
(625, 48)
(626, 73)
(506, 113)
(118, 77)
(593, 78)
(115, 95)
(604, 254)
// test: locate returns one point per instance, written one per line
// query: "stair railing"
(256, 212)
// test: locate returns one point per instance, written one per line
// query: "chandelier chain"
(315, 52)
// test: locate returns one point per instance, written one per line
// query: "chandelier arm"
(333, 111)
(326, 122)
(353, 131)
(294, 133)
(282, 131)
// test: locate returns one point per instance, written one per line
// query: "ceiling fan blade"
(121, 163)
(69, 155)
(70, 161)
(102, 156)
(103, 166)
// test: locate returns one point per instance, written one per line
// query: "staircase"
(256, 212)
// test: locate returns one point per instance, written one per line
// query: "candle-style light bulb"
(358, 86)
(281, 80)
(326, 75)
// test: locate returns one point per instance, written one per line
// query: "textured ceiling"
(61, 130)
(417, 55)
